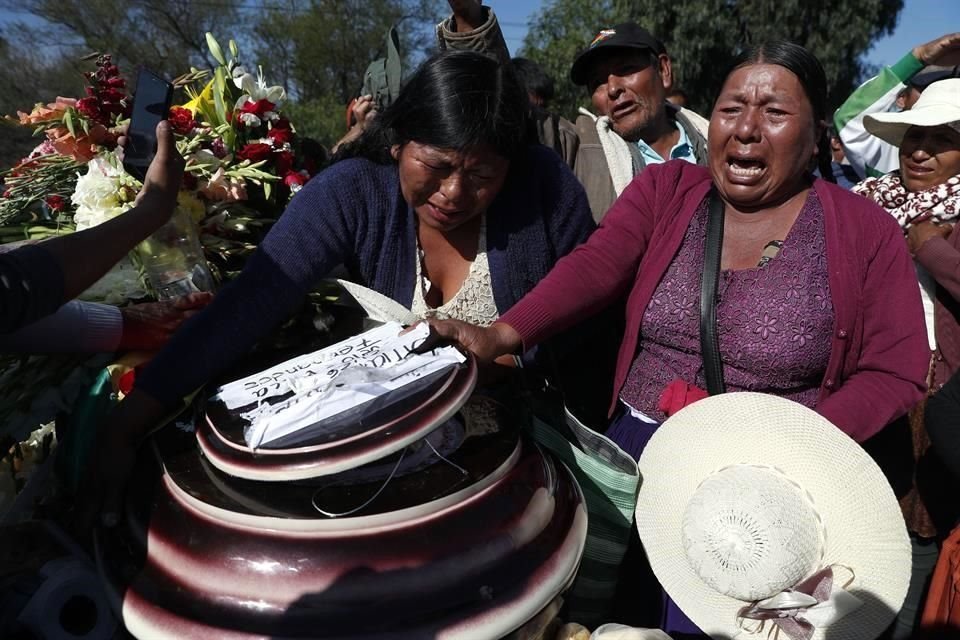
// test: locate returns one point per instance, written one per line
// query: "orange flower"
(47, 113)
(81, 148)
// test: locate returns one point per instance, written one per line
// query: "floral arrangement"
(244, 160)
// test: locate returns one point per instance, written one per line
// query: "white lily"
(257, 89)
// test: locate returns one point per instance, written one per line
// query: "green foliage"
(323, 119)
(324, 46)
(704, 36)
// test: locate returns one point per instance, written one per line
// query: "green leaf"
(68, 120)
(234, 51)
(266, 190)
(219, 88)
(215, 49)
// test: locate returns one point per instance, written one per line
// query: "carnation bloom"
(182, 120)
(101, 193)
(255, 152)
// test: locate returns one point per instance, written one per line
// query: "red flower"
(125, 383)
(112, 95)
(255, 152)
(182, 120)
(283, 162)
(281, 135)
(89, 108)
(257, 108)
(55, 202)
(293, 178)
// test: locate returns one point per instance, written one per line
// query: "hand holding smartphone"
(151, 104)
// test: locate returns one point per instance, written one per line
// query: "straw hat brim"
(892, 126)
(864, 526)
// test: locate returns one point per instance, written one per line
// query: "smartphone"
(151, 104)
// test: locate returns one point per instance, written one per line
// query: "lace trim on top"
(474, 301)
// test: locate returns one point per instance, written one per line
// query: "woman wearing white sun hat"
(780, 523)
(924, 197)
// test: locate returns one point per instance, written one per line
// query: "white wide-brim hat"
(759, 493)
(938, 104)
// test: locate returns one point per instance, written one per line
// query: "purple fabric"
(878, 360)
(775, 322)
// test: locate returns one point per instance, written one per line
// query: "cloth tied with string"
(815, 603)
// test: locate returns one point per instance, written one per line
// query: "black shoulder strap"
(709, 344)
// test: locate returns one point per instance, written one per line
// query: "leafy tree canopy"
(704, 36)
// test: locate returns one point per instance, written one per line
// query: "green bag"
(610, 480)
(383, 76)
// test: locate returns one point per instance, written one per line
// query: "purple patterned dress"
(774, 324)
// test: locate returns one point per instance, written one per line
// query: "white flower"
(100, 193)
(250, 119)
(257, 89)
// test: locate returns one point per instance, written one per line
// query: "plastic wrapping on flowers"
(244, 161)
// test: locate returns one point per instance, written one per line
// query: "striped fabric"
(609, 480)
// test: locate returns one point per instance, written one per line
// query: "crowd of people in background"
(578, 251)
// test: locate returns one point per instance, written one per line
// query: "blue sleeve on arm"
(31, 286)
(314, 234)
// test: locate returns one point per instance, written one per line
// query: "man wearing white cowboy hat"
(780, 524)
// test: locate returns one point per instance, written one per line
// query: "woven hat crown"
(750, 532)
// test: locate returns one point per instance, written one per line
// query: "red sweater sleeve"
(593, 275)
(890, 369)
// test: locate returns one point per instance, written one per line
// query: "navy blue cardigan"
(354, 214)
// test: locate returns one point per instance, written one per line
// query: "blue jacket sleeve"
(31, 286)
(314, 234)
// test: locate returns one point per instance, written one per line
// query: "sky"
(920, 21)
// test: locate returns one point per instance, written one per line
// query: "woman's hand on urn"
(485, 343)
(150, 325)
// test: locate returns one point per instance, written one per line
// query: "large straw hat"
(938, 104)
(749, 498)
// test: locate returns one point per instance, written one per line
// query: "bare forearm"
(86, 255)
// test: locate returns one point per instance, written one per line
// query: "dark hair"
(808, 70)
(534, 78)
(680, 93)
(796, 60)
(454, 100)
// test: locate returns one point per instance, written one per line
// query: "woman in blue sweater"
(444, 205)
